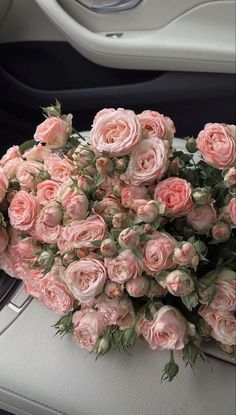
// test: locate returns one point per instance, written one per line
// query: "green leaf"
(190, 301)
(99, 179)
(64, 325)
(191, 353)
(97, 244)
(27, 145)
(115, 233)
(138, 253)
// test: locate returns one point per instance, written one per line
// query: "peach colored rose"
(125, 266)
(24, 248)
(179, 283)
(202, 218)
(37, 153)
(131, 194)
(60, 169)
(230, 178)
(86, 278)
(157, 253)
(128, 239)
(82, 233)
(32, 282)
(115, 312)
(225, 298)
(27, 173)
(55, 295)
(231, 208)
(47, 191)
(115, 132)
(4, 183)
(87, 328)
(11, 166)
(23, 211)
(217, 145)
(148, 162)
(168, 330)
(45, 233)
(4, 238)
(185, 254)
(222, 323)
(114, 290)
(74, 201)
(157, 125)
(108, 207)
(54, 132)
(175, 194)
(22, 268)
(221, 231)
(11, 153)
(51, 214)
(137, 287)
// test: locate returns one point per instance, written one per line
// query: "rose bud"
(155, 289)
(4, 238)
(179, 283)
(201, 248)
(117, 188)
(82, 155)
(52, 214)
(230, 178)
(201, 196)
(119, 220)
(221, 231)
(104, 166)
(147, 228)
(114, 290)
(121, 164)
(128, 238)
(102, 346)
(186, 254)
(99, 194)
(148, 212)
(83, 252)
(68, 258)
(90, 170)
(137, 287)
(175, 166)
(45, 259)
(191, 145)
(108, 248)
(85, 183)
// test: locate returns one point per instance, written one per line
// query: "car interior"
(175, 57)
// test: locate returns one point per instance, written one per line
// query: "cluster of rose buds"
(102, 231)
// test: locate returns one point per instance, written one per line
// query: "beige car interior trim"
(201, 39)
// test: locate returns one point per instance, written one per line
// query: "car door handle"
(109, 6)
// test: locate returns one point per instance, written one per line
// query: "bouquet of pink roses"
(122, 235)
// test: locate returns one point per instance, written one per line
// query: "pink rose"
(222, 323)
(74, 201)
(37, 153)
(6, 264)
(108, 247)
(82, 233)
(11, 166)
(185, 254)
(148, 212)
(86, 278)
(115, 312)
(179, 283)
(4, 238)
(231, 209)
(23, 211)
(125, 266)
(157, 125)
(217, 145)
(114, 290)
(24, 248)
(221, 231)
(157, 253)
(47, 191)
(54, 131)
(11, 153)
(175, 194)
(225, 298)
(60, 169)
(45, 233)
(137, 287)
(51, 214)
(32, 282)
(202, 218)
(115, 132)
(87, 328)
(27, 173)
(129, 239)
(167, 330)
(130, 195)
(148, 162)
(4, 183)
(108, 207)
(230, 178)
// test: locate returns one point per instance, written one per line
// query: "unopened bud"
(45, 259)
(99, 194)
(108, 248)
(85, 183)
(221, 231)
(121, 164)
(119, 220)
(102, 346)
(104, 166)
(114, 290)
(201, 196)
(201, 248)
(129, 239)
(52, 214)
(117, 188)
(148, 212)
(191, 145)
(68, 258)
